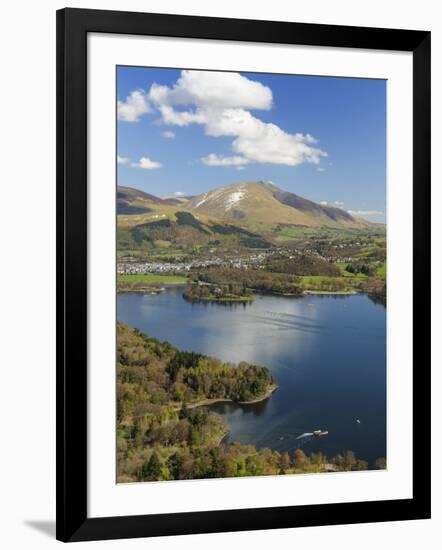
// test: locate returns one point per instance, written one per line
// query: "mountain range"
(253, 202)
(252, 209)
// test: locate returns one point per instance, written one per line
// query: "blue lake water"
(327, 353)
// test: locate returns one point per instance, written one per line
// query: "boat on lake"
(316, 433)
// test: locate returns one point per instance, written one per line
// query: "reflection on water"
(327, 353)
(255, 409)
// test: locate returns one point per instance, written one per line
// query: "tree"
(179, 392)
(361, 465)
(345, 461)
(184, 411)
(349, 460)
(173, 368)
(254, 465)
(139, 431)
(318, 459)
(219, 466)
(285, 461)
(151, 470)
(175, 464)
(194, 437)
(300, 459)
(381, 463)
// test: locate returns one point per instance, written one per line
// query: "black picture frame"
(73, 25)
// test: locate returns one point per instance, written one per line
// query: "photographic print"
(223, 245)
(251, 274)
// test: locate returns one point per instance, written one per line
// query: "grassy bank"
(319, 283)
(152, 278)
(382, 271)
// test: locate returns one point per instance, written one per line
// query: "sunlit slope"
(166, 227)
(247, 214)
(253, 203)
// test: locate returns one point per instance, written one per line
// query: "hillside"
(261, 205)
(243, 215)
(179, 228)
(135, 201)
(180, 199)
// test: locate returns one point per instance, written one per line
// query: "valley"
(251, 275)
(213, 260)
(254, 234)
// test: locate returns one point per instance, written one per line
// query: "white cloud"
(214, 90)
(168, 134)
(179, 118)
(146, 164)
(136, 104)
(259, 141)
(221, 102)
(122, 160)
(179, 194)
(217, 160)
(240, 167)
(367, 213)
(320, 169)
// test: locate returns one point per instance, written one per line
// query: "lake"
(327, 354)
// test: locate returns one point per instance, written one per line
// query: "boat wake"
(306, 434)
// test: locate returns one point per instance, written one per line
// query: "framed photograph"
(243, 302)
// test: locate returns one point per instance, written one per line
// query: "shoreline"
(330, 292)
(248, 299)
(141, 290)
(239, 300)
(151, 289)
(267, 394)
(207, 402)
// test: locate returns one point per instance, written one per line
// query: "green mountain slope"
(184, 230)
(244, 215)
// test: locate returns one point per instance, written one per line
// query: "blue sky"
(188, 132)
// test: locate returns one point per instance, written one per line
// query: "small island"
(228, 293)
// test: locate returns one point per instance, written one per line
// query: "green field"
(343, 265)
(330, 284)
(153, 278)
(382, 270)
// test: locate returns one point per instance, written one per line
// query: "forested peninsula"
(163, 433)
